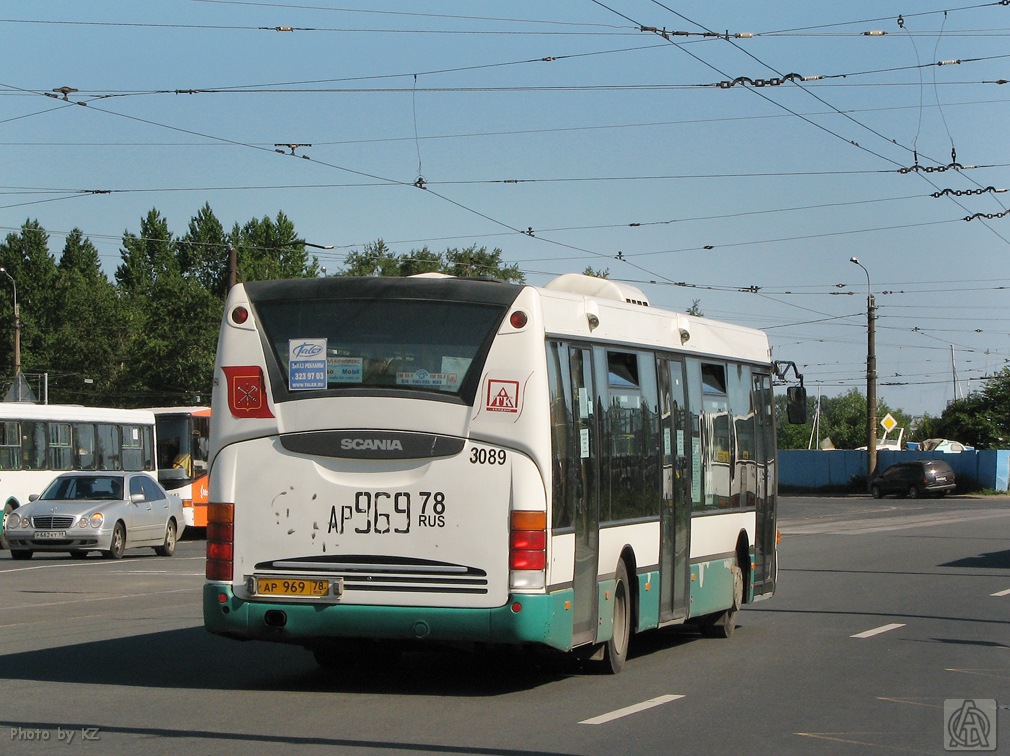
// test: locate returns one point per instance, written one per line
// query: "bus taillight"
(220, 541)
(527, 549)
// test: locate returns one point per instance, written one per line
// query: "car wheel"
(168, 548)
(3, 539)
(118, 544)
(913, 492)
(21, 554)
(876, 492)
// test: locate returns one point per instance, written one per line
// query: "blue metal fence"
(836, 469)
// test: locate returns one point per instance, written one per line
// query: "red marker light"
(518, 319)
(239, 315)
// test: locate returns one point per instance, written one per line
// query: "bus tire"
(722, 625)
(21, 553)
(167, 548)
(118, 543)
(615, 652)
(78, 554)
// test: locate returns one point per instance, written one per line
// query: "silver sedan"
(97, 511)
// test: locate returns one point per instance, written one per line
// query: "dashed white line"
(633, 709)
(877, 631)
(1001, 593)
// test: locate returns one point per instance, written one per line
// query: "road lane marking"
(1001, 593)
(633, 709)
(90, 562)
(877, 630)
(866, 526)
(97, 598)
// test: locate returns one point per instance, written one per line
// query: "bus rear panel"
(377, 468)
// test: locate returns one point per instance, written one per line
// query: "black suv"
(923, 477)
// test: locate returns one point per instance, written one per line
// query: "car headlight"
(83, 522)
(97, 519)
(13, 521)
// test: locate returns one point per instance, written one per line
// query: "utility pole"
(17, 327)
(232, 266)
(871, 378)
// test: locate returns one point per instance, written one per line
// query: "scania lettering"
(556, 467)
(371, 443)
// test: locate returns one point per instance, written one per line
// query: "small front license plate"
(292, 587)
(43, 535)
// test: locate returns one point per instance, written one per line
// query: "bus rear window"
(405, 344)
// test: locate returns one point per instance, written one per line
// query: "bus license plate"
(42, 535)
(288, 587)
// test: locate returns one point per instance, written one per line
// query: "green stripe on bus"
(711, 586)
(539, 619)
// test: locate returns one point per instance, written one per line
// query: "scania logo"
(378, 444)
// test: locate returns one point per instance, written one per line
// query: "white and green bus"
(444, 459)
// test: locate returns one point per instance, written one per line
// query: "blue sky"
(616, 147)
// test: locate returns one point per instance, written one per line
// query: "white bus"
(37, 441)
(442, 459)
(182, 453)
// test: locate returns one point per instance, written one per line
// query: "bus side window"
(632, 465)
(33, 445)
(563, 451)
(110, 453)
(10, 445)
(84, 442)
(133, 447)
(61, 453)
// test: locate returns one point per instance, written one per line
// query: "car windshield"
(85, 487)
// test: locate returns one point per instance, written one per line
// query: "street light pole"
(871, 378)
(17, 326)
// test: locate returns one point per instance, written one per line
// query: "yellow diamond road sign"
(889, 423)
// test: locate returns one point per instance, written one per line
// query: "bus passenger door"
(586, 496)
(676, 513)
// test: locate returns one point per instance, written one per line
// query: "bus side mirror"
(796, 404)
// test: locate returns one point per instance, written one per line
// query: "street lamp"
(17, 326)
(871, 379)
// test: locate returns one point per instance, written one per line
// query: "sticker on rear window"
(306, 364)
(425, 379)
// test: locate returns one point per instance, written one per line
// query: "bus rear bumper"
(541, 619)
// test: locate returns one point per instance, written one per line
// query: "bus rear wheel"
(722, 625)
(615, 653)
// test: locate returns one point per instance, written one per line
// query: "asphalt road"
(890, 618)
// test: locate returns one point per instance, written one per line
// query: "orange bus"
(183, 435)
